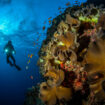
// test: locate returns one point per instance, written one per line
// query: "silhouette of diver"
(9, 50)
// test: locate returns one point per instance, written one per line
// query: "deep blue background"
(20, 20)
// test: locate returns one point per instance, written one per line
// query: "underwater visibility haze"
(50, 44)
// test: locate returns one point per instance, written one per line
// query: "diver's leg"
(17, 67)
(8, 61)
(13, 59)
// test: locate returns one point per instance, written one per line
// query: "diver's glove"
(6, 50)
(13, 52)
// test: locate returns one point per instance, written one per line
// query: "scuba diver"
(9, 50)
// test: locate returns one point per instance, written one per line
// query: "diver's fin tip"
(18, 68)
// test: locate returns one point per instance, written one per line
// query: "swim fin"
(17, 67)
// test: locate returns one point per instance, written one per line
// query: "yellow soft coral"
(71, 21)
(101, 21)
(96, 55)
(50, 95)
(68, 39)
(95, 58)
(62, 27)
(56, 77)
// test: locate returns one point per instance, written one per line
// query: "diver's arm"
(4, 48)
(14, 50)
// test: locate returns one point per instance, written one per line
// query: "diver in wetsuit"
(9, 50)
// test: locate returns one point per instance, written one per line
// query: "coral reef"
(96, 2)
(50, 95)
(96, 71)
(32, 96)
(72, 58)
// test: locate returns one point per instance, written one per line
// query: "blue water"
(21, 21)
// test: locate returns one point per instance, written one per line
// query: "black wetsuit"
(9, 50)
(9, 54)
(8, 60)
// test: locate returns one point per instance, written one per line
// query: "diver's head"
(9, 42)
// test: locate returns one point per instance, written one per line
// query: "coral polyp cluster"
(73, 60)
(89, 14)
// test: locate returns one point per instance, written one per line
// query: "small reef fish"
(28, 61)
(59, 8)
(68, 4)
(53, 20)
(76, 2)
(44, 27)
(60, 12)
(49, 18)
(30, 56)
(31, 77)
(49, 21)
